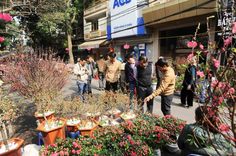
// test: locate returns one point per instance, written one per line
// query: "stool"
(73, 135)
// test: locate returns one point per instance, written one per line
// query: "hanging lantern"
(2, 39)
(126, 46)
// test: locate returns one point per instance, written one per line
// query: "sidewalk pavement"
(187, 114)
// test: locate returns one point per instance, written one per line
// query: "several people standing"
(144, 87)
(189, 84)
(166, 88)
(82, 73)
(131, 76)
(112, 71)
(101, 65)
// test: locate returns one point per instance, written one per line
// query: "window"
(94, 25)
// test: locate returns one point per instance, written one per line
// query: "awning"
(91, 44)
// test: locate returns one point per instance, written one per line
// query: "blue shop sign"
(118, 3)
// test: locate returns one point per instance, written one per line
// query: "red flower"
(224, 128)
(133, 153)
(2, 39)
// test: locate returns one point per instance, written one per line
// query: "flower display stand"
(50, 135)
(14, 149)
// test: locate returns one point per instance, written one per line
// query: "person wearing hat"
(112, 73)
(101, 65)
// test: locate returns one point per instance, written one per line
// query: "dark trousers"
(166, 101)
(111, 86)
(89, 88)
(187, 94)
(144, 92)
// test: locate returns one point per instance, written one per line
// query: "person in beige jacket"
(112, 71)
(166, 88)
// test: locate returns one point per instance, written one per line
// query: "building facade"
(174, 22)
(95, 29)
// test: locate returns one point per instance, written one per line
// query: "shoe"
(186, 106)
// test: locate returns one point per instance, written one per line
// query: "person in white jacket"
(81, 72)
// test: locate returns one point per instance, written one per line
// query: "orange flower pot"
(16, 151)
(40, 117)
(72, 127)
(88, 132)
(50, 136)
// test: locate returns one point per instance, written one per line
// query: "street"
(177, 110)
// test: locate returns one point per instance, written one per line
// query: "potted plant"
(52, 130)
(38, 79)
(8, 113)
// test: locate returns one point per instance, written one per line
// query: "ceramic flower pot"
(49, 115)
(87, 128)
(15, 145)
(52, 132)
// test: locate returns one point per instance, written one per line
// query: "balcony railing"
(94, 34)
(102, 5)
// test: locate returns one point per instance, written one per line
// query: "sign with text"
(124, 15)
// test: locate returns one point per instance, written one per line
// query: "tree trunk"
(69, 38)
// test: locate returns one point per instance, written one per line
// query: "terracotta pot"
(88, 132)
(72, 127)
(50, 136)
(16, 151)
(40, 117)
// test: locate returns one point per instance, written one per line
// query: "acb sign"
(118, 3)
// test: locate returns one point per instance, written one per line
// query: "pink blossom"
(2, 39)
(73, 151)
(190, 56)
(200, 73)
(78, 152)
(234, 28)
(54, 154)
(168, 116)
(192, 44)
(133, 153)
(126, 46)
(214, 83)
(231, 91)
(5, 17)
(61, 153)
(227, 41)
(216, 63)
(95, 155)
(201, 46)
(129, 137)
(224, 128)
(75, 144)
